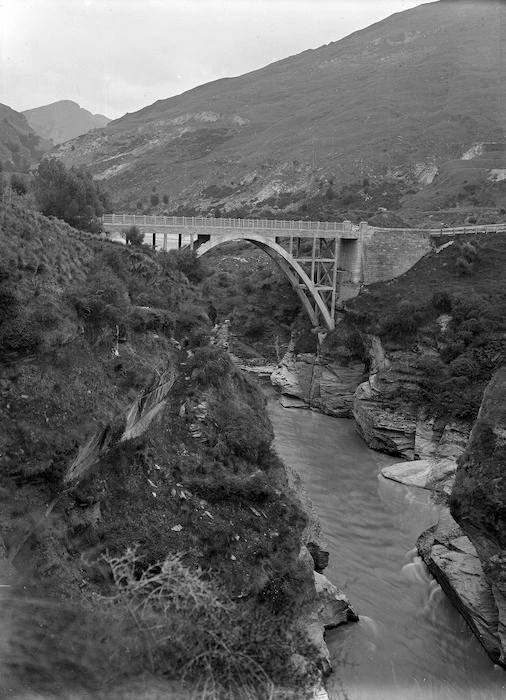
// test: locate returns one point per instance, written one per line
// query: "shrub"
(244, 436)
(104, 299)
(143, 319)
(18, 184)
(209, 365)
(404, 321)
(186, 261)
(8, 303)
(442, 301)
(20, 334)
(193, 631)
(189, 318)
(155, 200)
(463, 266)
(133, 236)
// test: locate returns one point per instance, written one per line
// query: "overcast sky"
(116, 56)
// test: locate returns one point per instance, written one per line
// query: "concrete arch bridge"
(326, 262)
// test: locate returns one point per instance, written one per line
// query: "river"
(410, 641)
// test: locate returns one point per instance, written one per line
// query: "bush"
(243, 434)
(404, 321)
(442, 301)
(210, 365)
(143, 319)
(104, 299)
(18, 184)
(193, 631)
(186, 261)
(463, 266)
(133, 236)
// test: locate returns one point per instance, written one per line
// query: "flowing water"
(410, 641)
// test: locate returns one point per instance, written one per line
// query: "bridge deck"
(268, 227)
(274, 227)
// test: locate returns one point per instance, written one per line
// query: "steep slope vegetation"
(63, 120)
(20, 146)
(397, 100)
(146, 526)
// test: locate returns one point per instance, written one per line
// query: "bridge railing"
(211, 222)
(123, 220)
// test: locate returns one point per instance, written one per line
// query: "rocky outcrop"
(305, 380)
(478, 501)
(331, 608)
(432, 474)
(385, 408)
(454, 563)
(335, 607)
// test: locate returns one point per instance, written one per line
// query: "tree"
(71, 195)
(155, 200)
(134, 236)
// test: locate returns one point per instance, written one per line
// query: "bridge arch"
(308, 292)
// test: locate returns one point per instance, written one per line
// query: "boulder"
(335, 608)
(454, 563)
(320, 556)
(432, 474)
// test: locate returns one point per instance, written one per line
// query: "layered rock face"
(478, 501)
(453, 561)
(386, 413)
(305, 380)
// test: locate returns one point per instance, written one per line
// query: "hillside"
(148, 535)
(396, 102)
(20, 146)
(63, 120)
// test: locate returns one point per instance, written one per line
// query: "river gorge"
(410, 641)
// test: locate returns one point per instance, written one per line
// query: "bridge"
(325, 261)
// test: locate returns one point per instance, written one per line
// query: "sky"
(117, 56)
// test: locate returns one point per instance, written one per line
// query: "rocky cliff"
(478, 501)
(388, 413)
(305, 380)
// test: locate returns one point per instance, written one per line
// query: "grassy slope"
(207, 459)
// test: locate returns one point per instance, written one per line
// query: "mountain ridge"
(409, 93)
(63, 120)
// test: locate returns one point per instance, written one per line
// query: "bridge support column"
(180, 240)
(154, 240)
(165, 240)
